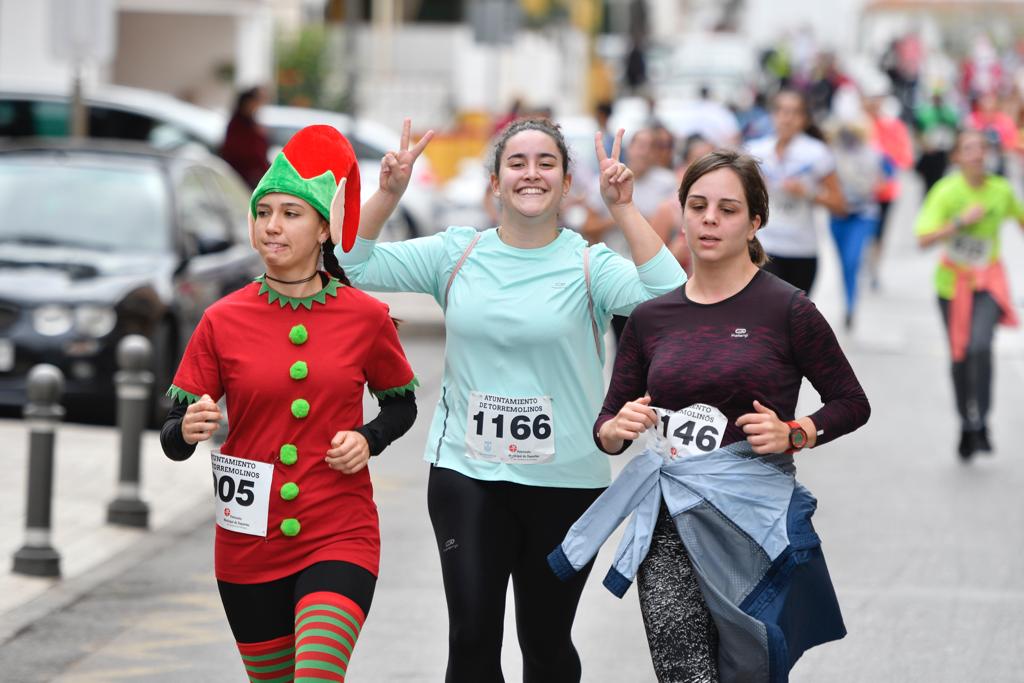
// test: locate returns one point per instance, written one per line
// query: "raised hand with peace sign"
(616, 185)
(395, 172)
(396, 166)
(616, 179)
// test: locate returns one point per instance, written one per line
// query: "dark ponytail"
(756, 251)
(331, 264)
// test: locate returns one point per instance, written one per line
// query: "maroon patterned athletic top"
(757, 344)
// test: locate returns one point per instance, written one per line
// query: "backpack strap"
(586, 278)
(590, 301)
(458, 267)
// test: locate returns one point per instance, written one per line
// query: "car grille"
(8, 314)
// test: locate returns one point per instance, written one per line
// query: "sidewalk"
(86, 464)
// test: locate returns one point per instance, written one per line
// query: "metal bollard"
(133, 380)
(37, 557)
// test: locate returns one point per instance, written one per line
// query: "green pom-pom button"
(298, 370)
(300, 408)
(290, 527)
(289, 454)
(298, 334)
(290, 491)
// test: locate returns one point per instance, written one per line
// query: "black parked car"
(102, 239)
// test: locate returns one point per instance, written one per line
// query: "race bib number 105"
(513, 430)
(241, 493)
(693, 430)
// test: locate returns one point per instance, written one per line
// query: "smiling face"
(530, 181)
(288, 234)
(717, 218)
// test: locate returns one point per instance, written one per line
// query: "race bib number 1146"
(696, 429)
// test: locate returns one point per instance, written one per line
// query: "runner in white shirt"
(800, 173)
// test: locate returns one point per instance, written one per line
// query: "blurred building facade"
(431, 60)
(198, 50)
(435, 59)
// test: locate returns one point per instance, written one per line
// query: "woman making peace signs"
(513, 461)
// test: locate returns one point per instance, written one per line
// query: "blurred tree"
(301, 69)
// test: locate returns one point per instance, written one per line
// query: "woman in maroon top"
(740, 340)
(245, 141)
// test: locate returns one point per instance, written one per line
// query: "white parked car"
(38, 110)
(118, 112)
(418, 212)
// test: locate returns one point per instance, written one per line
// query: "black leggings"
(972, 376)
(883, 217)
(798, 272)
(486, 532)
(258, 612)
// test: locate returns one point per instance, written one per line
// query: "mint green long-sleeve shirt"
(519, 346)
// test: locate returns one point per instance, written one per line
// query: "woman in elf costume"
(298, 541)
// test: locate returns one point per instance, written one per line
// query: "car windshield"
(56, 202)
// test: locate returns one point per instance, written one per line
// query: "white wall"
(175, 46)
(25, 47)
(254, 49)
(151, 54)
(834, 22)
(428, 72)
(167, 45)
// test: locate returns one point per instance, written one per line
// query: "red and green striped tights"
(327, 626)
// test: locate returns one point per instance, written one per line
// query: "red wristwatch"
(797, 437)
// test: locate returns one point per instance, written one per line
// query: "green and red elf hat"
(318, 165)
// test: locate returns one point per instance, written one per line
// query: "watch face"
(797, 438)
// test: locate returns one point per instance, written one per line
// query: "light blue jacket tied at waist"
(746, 524)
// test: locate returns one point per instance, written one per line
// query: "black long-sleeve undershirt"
(397, 414)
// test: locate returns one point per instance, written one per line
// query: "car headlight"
(95, 321)
(52, 320)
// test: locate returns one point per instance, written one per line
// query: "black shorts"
(258, 612)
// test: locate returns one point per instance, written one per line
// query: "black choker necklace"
(292, 282)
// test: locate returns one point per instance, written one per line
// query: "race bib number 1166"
(513, 430)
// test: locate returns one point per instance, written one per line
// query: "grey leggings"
(680, 632)
(972, 377)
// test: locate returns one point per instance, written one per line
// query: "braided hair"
(331, 264)
(335, 270)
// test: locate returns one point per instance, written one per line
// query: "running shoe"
(968, 444)
(981, 441)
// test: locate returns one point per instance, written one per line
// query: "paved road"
(926, 553)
